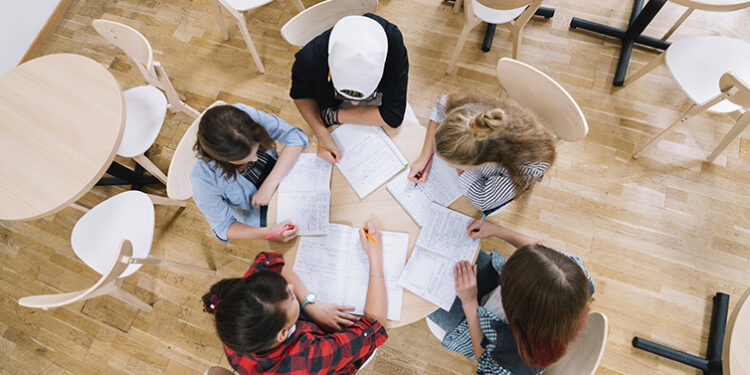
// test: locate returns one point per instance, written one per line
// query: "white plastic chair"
(544, 97)
(118, 230)
(320, 17)
(216, 370)
(513, 13)
(235, 9)
(715, 74)
(179, 188)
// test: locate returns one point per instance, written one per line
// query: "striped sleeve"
(438, 112)
(489, 187)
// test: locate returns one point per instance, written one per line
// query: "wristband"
(377, 274)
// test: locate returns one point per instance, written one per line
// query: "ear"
(282, 335)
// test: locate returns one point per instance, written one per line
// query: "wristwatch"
(309, 298)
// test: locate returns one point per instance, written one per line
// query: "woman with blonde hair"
(499, 149)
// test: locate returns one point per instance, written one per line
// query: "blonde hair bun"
(486, 123)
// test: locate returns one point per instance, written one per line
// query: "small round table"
(382, 210)
(62, 121)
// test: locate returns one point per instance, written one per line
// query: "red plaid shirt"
(310, 350)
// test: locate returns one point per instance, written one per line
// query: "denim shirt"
(459, 340)
(225, 200)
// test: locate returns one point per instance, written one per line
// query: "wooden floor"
(659, 235)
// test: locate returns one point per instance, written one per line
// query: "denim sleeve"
(210, 201)
(279, 129)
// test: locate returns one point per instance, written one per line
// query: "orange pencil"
(370, 237)
(327, 149)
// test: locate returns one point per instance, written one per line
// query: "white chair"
(216, 370)
(235, 9)
(715, 74)
(179, 188)
(513, 13)
(320, 17)
(583, 355)
(113, 238)
(544, 97)
(145, 106)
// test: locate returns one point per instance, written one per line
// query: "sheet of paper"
(441, 187)
(336, 267)
(305, 197)
(441, 244)
(370, 158)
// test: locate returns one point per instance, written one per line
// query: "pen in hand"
(479, 227)
(370, 237)
(278, 232)
(327, 149)
(420, 173)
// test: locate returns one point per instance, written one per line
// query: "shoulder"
(315, 51)
(391, 30)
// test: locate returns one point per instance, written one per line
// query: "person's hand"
(486, 230)
(331, 317)
(262, 197)
(284, 236)
(465, 277)
(326, 155)
(372, 249)
(416, 169)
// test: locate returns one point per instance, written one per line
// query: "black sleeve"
(302, 76)
(395, 79)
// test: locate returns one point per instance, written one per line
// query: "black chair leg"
(711, 365)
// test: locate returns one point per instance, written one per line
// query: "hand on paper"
(465, 277)
(371, 248)
(331, 317)
(416, 169)
(486, 230)
(286, 235)
(263, 196)
(326, 155)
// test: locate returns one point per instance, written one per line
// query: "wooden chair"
(544, 97)
(179, 188)
(513, 13)
(320, 17)
(235, 8)
(728, 344)
(714, 73)
(114, 238)
(585, 353)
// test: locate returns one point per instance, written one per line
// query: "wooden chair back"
(544, 97)
(320, 17)
(585, 353)
(55, 300)
(742, 97)
(519, 22)
(737, 338)
(178, 178)
(133, 43)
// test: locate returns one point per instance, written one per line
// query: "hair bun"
(486, 123)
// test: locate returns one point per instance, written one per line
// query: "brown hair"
(479, 128)
(226, 133)
(545, 295)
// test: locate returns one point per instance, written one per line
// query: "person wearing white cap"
(356, 72)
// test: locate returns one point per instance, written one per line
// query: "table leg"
(640, 17)
(489, 34)
(126, 176)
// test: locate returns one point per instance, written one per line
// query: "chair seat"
(145, 109)
(495, 16)
(96, 236)
(715, 55)
(243, 5)
(438, 332)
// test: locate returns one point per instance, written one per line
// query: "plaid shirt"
(310, 350)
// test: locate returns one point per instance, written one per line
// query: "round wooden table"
(736, 350)
(383, 211)
(62, 121)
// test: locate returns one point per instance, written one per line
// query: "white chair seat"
(495, 16)
(243, 5)
(697, 64)
(409, 115)
(438, 332)
(145, 109)
(96, 236)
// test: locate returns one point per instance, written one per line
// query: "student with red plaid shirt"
(258, 319)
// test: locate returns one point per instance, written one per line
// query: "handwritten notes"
(305, 196)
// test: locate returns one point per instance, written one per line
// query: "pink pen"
(274, 234)
(420, 173)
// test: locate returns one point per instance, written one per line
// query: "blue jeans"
(487, 281)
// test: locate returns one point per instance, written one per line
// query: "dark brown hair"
(248, 311)
(545, 295)
(479, 128)
(226, 133)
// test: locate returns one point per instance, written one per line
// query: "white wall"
(20, 22)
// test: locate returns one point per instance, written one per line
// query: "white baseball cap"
(357, 49)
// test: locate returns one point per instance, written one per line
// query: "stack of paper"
(336, 267)
(441, 187)
(441, 244)
(370, 158)
(305, 195)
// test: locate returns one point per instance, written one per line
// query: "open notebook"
(305, 195)
(441, 244)
(370, 157)
(337, 269)
(441, 187)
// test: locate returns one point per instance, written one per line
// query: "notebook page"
(304, 195)
(321, 262)
(441, 187)
(309, 173)
(370, 158)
